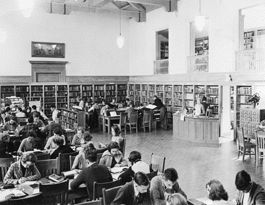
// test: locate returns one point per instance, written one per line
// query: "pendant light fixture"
(3, 34)
(200, 19)
(120, 39)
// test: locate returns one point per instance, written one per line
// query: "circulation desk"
(202, 130)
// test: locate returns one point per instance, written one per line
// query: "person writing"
(163, 111)
(28, 143)
(23, 170)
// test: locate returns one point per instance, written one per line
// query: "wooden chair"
(55, 193)
(4, 166)
(147, 120)
(109, 194)
(151, 175)
(94, 202)
(64, 161)
(98, 187)
(132, 122)
(43, 156)
(71, 160)
(260, 139)
(32, 200)
(122, 147)
(47, 167)
(157, 163)
(22, 121)
(244, 146)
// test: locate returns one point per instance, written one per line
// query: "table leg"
(109, 125)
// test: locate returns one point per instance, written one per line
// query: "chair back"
(43, 156)
(260, 136)
(4, 166)
(94, 202)
(122, 146)
(99, 155)
(157, 163)
(47, 167)
(71, 160)
(55, 193)
(22, 121)
(151, 175)
(97, 188)
(133, 118)
(240, 137)
(123, 116)
(109, 194)
(146, 117)
(32, 200)
(64, 162)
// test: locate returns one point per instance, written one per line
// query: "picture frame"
(47, 49)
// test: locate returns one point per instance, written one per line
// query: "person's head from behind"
(34, 107)
(87, 138)
(58, 131)
(58, 140)
(90, 153)
(243, 181)
(134, 157)
(113, 148)
(170, 177)
(28, 159)
(80, 130)
(31, 135)
(115, 130)
(177, 199)
(141, 182)
(204, 99)
(216, 191)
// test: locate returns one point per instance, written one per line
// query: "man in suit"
(134, 192)
(162, 187)
(93, 173)
(248, 191)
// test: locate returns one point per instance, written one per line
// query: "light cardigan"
(14, 173)
(106, 159)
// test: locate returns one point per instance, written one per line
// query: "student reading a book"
(113, 156)
(137, 166)
(60, 147)
(162, 187)
(93, 173)
(28, 143)
(50, 143)
(78, 136)
(23, 170)
(134, 192)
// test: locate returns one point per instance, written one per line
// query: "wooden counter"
(202, 130)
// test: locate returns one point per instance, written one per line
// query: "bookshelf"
(36, 93)
(163, 50)
(160, 92)
(151, 93)
(199, 92)
(99, 93)
(144, 93)
(131, 92)
(202, 46)
(121, 92)
(62, 96)
(212, 94)
(74, 91)
(7, 91)
(110, 92)
(188, 96)
(49, 99)
(68, 119)
(137, 97)
(87, 92)
(177, 98)
(22, 91)
(168, 89)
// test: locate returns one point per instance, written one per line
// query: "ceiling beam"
(137, 6)
(169, 5)
(103, 3)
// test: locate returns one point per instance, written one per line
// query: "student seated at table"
(249, 192)
(113, 104)
(11, 125)
(60, 147)
(216, 193)
(137, 166)
(130, 109)
(23, 170)
(78, 136)
(177, 199)
(134, 192)
(113, 157)
(3, 150)
(20, 113)
(162, 187)
(37, 121)
(116, 136)
(103, 110)
(93, 173)
(48, 130)
(80, 160)
(28, 143)
(58, 132)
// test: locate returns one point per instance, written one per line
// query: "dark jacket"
(256, 195)
(158, 103)
(61, 149)
(126, 196)
(91, 174)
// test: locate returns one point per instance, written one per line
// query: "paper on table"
(30, 182)
(150, 106)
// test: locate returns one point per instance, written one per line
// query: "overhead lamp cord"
(120, 18)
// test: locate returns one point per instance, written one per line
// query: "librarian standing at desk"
(163, 111)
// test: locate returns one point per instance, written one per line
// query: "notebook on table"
(113, 113)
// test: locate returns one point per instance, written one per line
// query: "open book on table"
(56, 178)
(70, 174)
(11, 193)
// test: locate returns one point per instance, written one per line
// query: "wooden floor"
(195, 165)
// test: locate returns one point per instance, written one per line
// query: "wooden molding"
(49, 62)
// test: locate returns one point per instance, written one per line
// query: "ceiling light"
(120, 39)
(200, 19)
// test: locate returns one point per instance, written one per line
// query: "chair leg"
(144, 126)
(125, 128)
(244, 150)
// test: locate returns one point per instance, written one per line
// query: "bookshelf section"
(68, 119)
(151, 93)
(188, 96)
(177, 98)
(212, 94)
(168, 97)
(62, 96)
(7, 91)
(99, 93)
(22, 91)
(74, 92)
(137, 97)
(49, 99)
(202, 46)
(144, 93)
(36, 93)
(121, 92)
(110, 92)
(87, 92)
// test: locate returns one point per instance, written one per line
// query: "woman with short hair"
(23, 170)
(177, 199)
(216, 192)
(27, 144)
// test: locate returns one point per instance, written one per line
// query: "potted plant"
(254, 99)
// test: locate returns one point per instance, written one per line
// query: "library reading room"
(125, 102)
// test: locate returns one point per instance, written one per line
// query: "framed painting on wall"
(48, 50)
